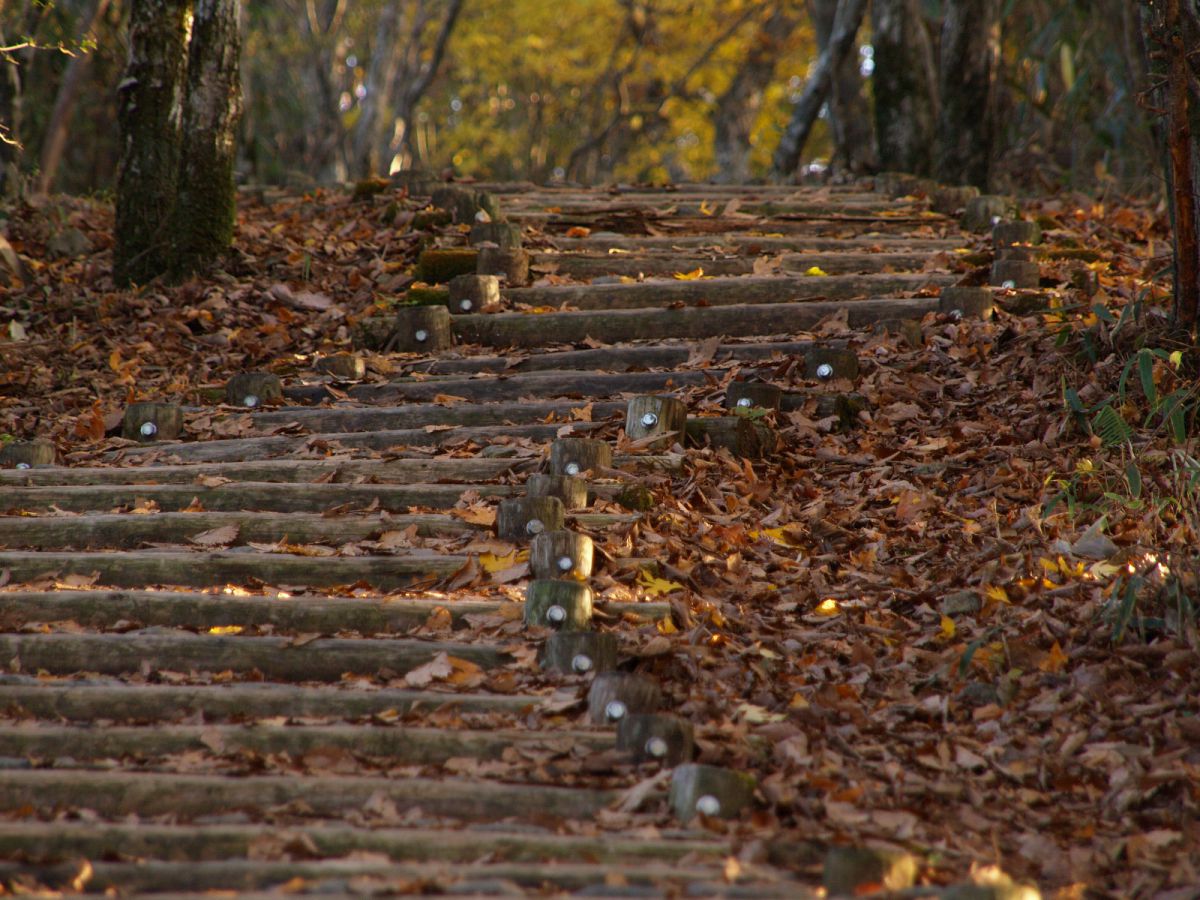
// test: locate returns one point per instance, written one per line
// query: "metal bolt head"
(995, 220)
(571, 468)
(956, 314)
(556, 615)
(656, 747)
(824, 371)
(581, 663)
(649, 419)
(250, 400)
(148, 429)
(565, 563)
(708, 805)
(745, 402)
(615, 710)
(1009, 285)
(421, 335)
(465, 305)
(23, 465)
(534, 526)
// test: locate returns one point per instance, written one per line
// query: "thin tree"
(970, 62)
(848, 110)
(905, 86)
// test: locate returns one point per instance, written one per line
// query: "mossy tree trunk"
(849, 114)
(905, 86)
(970, 59)
(149, 116)
(206, 205)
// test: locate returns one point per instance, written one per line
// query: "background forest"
(589, 91)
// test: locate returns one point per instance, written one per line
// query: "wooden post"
(343, 366)
(614, 695)
(152, 422)
(573, 492)
(579, 652)
(439, 264)
(504, 235)
(559, 604)
(561, 554)
(510, 263)
(523, 518)
(827, 363)
(851, 871)
(466, 205)
(983, 213)
(966, 302)
(949, 200)
(740, 435)
(1015, 231)
(254, 389)
(474, 294)
(650, 416)
(420, 329)
(1016, 274)
(710, 791)
(747, 395)
(656, 738)
(576, 456)
(27, 454)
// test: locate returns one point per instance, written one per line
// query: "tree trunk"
(849, 114)
(738, 108)
(206, 205)
(64, 105)
(150, 111)
(10, 121)
(905, 87)
(377, 101)
(967, 122)
(847, 20)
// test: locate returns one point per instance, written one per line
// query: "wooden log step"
(333, 877)
(324, 420)
(623, 357)
(414, 470)
(239, 495)
(324, 659)
(756, 244)
(520, 330)
(42, 843)
(213, 569)
(138, 703)
(787, 223)
(723, 291)
(597, 265)
(305, 615)
(187, 797)
(126, 531)
(401, 744)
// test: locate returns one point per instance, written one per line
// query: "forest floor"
(958, 627)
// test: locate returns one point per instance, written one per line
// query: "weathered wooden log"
(1015, 273)
(152, 422)
(854, 871)
(564, 605)
(572, 491)
(474, 294)
(722, 291)
(827, 363)
(240, 495)
(752, 394)
(520, 330)
(419, 329)
(1016, 251)
(509, 263)
(114, 795)
(326, 659)
(438, 265)
(343, 366)
(400, 746)
(1016, 231)
(755, 244)
(466, 205)
(950, 200)
(710, 791)
(661, 417)
(577, 456)
(982, 213)
(27, 454)
(648, 737)
(614, 695)
(524, 518)
(216, 568)
(664, 264)
(561, 554)
(967, 302)
(504, 235)
(740, 435)
(254, 389)
(579, 652)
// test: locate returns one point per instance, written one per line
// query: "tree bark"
(738, 107)
(970, 59)
(905, 87)
(377, 101)
(10, 123)
(149, 116)
(849, 113)
(206, 206)
(846, 23)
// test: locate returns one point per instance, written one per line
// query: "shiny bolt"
(995, 220)
(824, 370)
(534, 526)
(250, 400)
(708, 805)
(465, 305)
(615, 710)
(23, 465)
(956, 314)
(745, 401)
(1009, 285)
(649, 419)
(148, 429)
(581, 663)
(556, 615)
(421, 335)
(565, 563)
(572, 468)
(656, 747)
